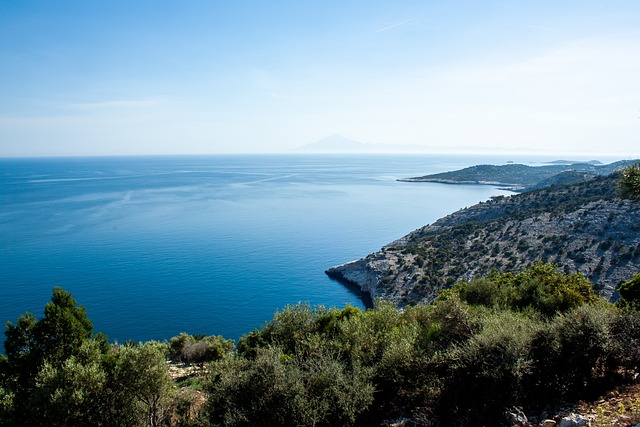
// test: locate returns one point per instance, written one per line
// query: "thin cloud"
(397, 24)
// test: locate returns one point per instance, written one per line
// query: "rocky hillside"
(582, 227)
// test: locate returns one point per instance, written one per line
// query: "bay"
(155, 246)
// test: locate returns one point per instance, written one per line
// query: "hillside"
(581, 227)
(518, 177)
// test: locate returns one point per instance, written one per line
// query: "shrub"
(571, 356)
(274, 389)
(541, 287)
(630, 293)
(286, 329)
(498, 359)
(625, 331)
(199, 349)
(446, 323)
(629, 182)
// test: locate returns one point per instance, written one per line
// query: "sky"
(204, 77)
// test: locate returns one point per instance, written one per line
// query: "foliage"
(532, 339)
(496, 358)
(55, 372)
(199, 349)
(529, 339)
(33, 345)
(274, 390)
(64, 327)
(541, 287)
(629, 182)
(143, 386)
(71, 392)
(292, 327)
(630, 293)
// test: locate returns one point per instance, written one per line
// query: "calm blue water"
(154, 246)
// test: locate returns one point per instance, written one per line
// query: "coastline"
(501, 185)
(365, 296)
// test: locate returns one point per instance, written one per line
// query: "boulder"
(574, 420)
(516, 418)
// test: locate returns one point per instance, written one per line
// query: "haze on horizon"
(175, 77)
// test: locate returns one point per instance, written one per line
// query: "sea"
(159, 245)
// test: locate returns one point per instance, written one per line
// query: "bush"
(446, 323)
(625, 331)
(198, 349)
(496, 359)
(541, 287)
(574, 356)
(630, 293)
(274, 389)
(629, 182)
(286, 330)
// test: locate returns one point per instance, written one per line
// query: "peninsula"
(582, 227)
(518, 177)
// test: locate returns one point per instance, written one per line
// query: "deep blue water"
(154, 246)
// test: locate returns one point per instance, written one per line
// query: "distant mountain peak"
(335, 143)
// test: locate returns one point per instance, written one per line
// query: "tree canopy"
(629, 182)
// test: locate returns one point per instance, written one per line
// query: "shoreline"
(364, 296)
(501, 185)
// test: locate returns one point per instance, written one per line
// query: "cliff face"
(581, 227)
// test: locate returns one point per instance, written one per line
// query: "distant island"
(519, 177)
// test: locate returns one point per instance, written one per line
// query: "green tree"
(629, 182)
(630, 293)
(140, 384)
(496, 358)
(54, 338)
(22, 351)
(71, 393)
(31, 345)
(6, 406)
(64, 327)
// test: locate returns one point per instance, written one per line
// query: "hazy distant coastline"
(338, 144)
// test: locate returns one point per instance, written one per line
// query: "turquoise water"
(154, 246)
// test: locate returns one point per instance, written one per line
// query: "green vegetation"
(56, 372)
(199, 349)
(533, 339)
(541, 287)
(522, 177)
(630, 293)
(629, 183)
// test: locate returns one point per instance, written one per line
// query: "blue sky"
(189, 76)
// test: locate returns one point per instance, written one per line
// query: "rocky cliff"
(582, 227)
